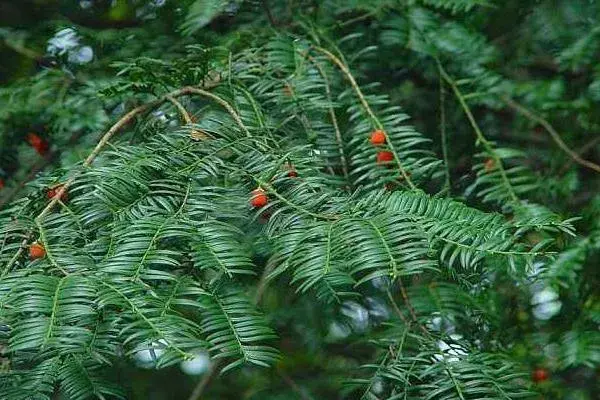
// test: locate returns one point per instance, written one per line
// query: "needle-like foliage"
(239, 208)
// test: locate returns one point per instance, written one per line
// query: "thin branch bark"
(292, 384)
(185, 115)
(105, 138)
(196, 134)
(205, 381)
(262, 283)
(411, 309)
(553, 133)
(90, 159)
(269, 13)
(581, 151)
(396, 308)
(226, 105)
(23, 50)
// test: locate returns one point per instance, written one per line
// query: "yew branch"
(121, 123)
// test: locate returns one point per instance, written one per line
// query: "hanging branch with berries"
(382, 156)
(155, 245)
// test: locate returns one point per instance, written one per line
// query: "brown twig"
(269, 13)
(203, 383)
(59, 193)
(291, 383)
(411, 310)
(581, 151)
(17, 254)
(409, 306)
(185, 115)
(17, 47)
(588, 146)
(196, 134)
(263, 282)
(37, 167)
(443, 135)
(396, 308)
(356, 19)
(90, 159)
(553, 133)
(125, 120)
(226, 105)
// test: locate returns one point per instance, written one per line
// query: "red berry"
(540, 375)
(38, 143)
(36, 251)
(42, 149)
(377, 137)
(2, 183)
(259, 198)
(34, 140)
(384, 156)
(52, 192)
(292, 173)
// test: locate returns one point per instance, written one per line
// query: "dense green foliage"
(463, 266)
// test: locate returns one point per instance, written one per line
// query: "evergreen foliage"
(451, 267)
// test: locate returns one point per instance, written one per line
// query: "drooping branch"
(88, 161)
(581, 151)
(334, 122)
(478, 133)
(126, 119)
(443, 134)
(365, 104)
(212, 96)
(185, 115)
(197, 134)
(553, 133)
(120, 124)
(269, 13)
